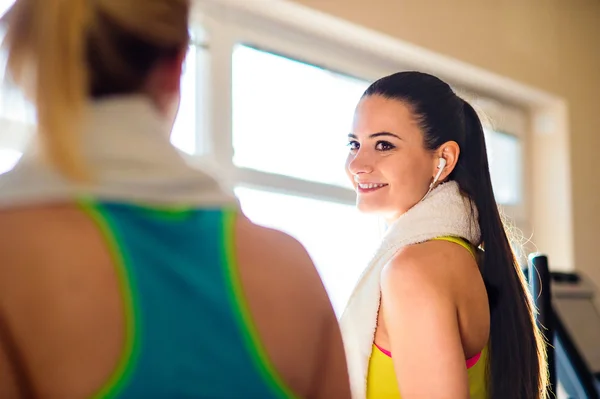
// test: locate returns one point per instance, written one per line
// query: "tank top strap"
(460, 241)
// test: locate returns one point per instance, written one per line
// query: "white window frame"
(266, 25)
(512, 120)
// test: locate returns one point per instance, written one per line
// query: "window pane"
(8, 159)
(291, 118)
(339, 239)
(13, 105)
(504, 154)
(183, 135)
(5, 5)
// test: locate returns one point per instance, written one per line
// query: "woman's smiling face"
(388, 163)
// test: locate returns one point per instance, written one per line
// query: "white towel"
(444, 212)
(125, 144)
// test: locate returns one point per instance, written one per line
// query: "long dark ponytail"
(517, 359)
(517, 351)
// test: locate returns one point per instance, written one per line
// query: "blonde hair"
(62, 52)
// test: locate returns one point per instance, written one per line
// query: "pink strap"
(470, 362)
(473, 361)
(385, 352)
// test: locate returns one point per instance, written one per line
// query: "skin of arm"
(421, 318)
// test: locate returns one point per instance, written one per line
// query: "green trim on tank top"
(251, 336)
(168, 212)
(460, 241)
(130, 353)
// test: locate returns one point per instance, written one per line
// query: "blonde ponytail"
(45, 40)
(48, 58)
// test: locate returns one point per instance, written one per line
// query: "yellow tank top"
(381, 378)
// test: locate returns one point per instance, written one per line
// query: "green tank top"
(189, 331)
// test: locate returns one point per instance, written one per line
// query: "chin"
(369, 207)
(378, 209)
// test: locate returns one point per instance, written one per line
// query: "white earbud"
(441, 167)
(442, 163)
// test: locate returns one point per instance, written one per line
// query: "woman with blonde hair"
(123, 271)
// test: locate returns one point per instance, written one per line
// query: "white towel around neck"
(126, 146)
(444, 212)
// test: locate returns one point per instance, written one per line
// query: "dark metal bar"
(540, 288)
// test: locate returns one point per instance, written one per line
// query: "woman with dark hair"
(442, 310)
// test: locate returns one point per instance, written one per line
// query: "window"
(505, 129)
(183, 135)
(16, 114)
(8, 159)
(14, 107)
(291, 118)
(339, 240)
(505, 159)
(5, 5)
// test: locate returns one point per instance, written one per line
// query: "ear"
(450, 151)
(170, 71)
(164, 81)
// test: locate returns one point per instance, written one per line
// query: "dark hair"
(517, 360)
(119, 61)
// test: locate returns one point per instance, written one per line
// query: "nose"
(358, 163)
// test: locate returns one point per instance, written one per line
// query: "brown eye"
(384, 146)
(353, 145)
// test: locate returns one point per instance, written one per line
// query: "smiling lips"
(364, 188)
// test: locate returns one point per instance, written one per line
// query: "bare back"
(65, 320)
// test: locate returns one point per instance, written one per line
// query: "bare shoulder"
(439, 266)
(293, 314)
(282, 257)
(37, 242)
(265, 236)
(439, 278)
(22, 228)
(422, 291)
(26, 218)
(12, 222)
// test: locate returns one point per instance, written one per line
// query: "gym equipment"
(570, 322)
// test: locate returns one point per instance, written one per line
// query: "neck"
(390, 219)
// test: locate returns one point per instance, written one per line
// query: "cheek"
(399, 171)
(347, 168)
(409, 179)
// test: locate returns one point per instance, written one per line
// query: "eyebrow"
(379, 134)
